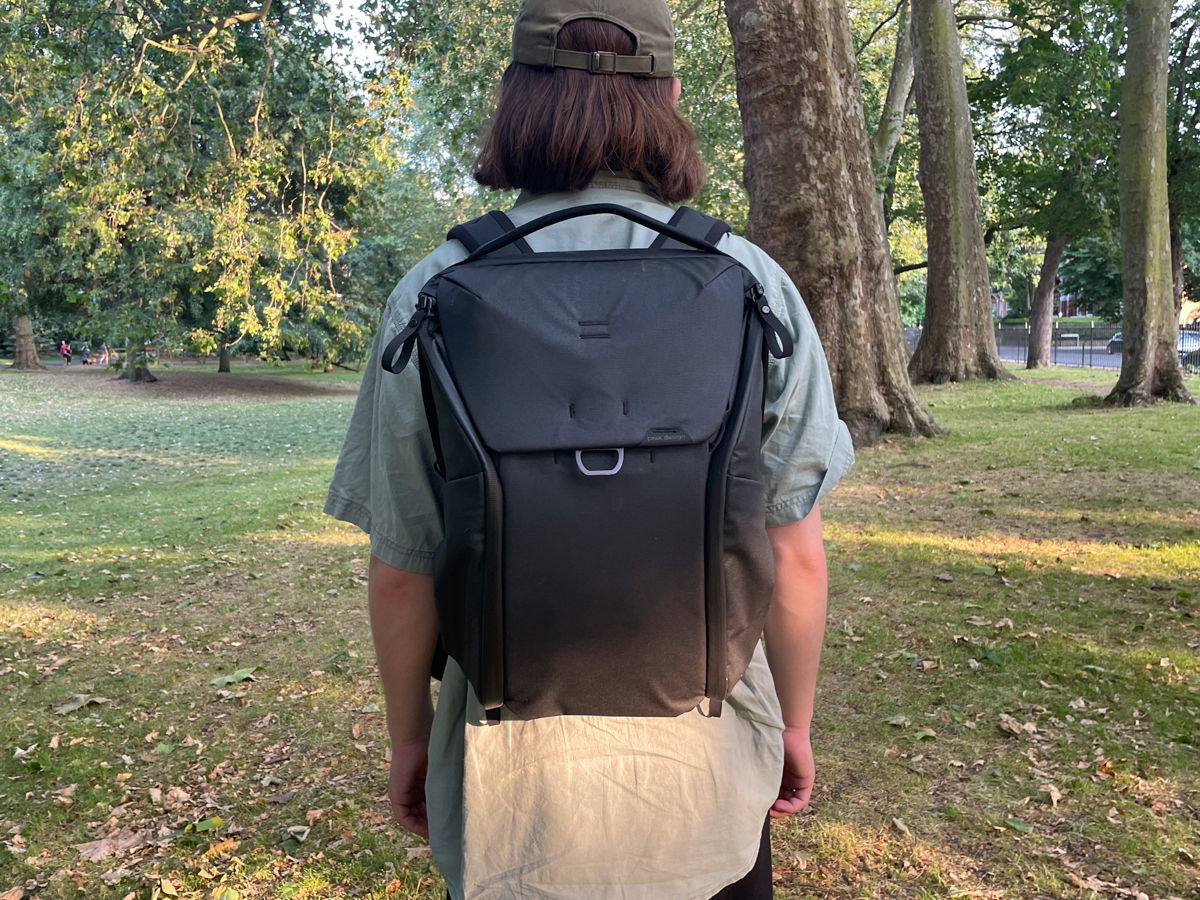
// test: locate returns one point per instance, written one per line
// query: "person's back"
(588, 806)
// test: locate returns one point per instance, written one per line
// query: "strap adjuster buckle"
(602, 62)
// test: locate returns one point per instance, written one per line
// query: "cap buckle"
(603, 63)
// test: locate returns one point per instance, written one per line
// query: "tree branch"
(215, 25)
(878, 28)
(689, 11)
(912, 267)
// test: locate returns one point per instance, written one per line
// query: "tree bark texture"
(813, 203)
(1041, 308)
(25, 354)
(887, 134)
(1150, 365)
(1176, 264)
(958, 341)
(222, 356)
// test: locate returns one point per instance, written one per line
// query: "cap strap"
(603, 63)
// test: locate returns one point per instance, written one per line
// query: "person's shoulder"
(753, 257)
(403, 299)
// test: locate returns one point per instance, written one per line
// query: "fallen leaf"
(1052, 792)
(246, 674)
(1018, 825)
(13, 894)
(78, 701)
(118, 842)
(1009, 725)
(899, 825)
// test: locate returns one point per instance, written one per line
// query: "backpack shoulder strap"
(694, 223)
(477, 232)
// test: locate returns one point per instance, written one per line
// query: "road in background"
(1087, 357)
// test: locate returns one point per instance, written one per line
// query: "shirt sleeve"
(806, 447)
(385, 481)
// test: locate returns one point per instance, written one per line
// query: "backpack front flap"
(566, 352)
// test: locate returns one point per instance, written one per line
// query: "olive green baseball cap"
(535, 36)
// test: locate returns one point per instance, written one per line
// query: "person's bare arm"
(794, 633)
(404, 628)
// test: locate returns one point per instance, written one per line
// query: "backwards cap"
(535, 36)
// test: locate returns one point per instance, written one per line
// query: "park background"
(1010, 701)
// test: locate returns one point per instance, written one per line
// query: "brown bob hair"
(555, 129)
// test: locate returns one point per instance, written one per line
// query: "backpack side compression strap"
(477, 232)
(694, 223)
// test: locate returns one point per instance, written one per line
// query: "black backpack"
(597, 420)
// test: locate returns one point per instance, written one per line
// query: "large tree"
(1048, 112)
(192, 168)
(958, 342)
(813, 204)
(1150, 365)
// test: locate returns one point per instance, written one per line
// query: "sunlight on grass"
(850, 853)
(41, 620)
(1084, 557)
(339, 536)
(31, 446)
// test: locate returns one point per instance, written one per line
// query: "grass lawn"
(1010, 706)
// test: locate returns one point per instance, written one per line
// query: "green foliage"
(182, 172)
(1048, 131)
(1091, 269)
(910, 289)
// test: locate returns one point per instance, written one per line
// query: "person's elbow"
(798, 548)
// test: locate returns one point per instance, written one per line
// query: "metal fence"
(1096, 347)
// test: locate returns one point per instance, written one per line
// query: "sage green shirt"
(583, 807)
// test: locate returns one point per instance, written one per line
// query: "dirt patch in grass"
(1090, 388)
(188, 385)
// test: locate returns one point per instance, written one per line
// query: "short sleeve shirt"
(581, 807)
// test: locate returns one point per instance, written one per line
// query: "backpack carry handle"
(591, 209)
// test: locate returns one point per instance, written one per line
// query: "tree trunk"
(137, 365)
(1041, 310)
(958, 341)
(222, 356)
(887, 134)
(25, 355)
(813, 204)
(1150, 365)
(1176, 264)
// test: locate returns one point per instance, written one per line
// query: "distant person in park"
(102, 358)
(64, 350)
(577, 807)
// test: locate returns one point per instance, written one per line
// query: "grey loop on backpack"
(613, 471)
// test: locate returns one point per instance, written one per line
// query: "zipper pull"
(779, 342)
(404, 342)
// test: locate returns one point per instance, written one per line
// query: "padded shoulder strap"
(477, 232)
(696, 224)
